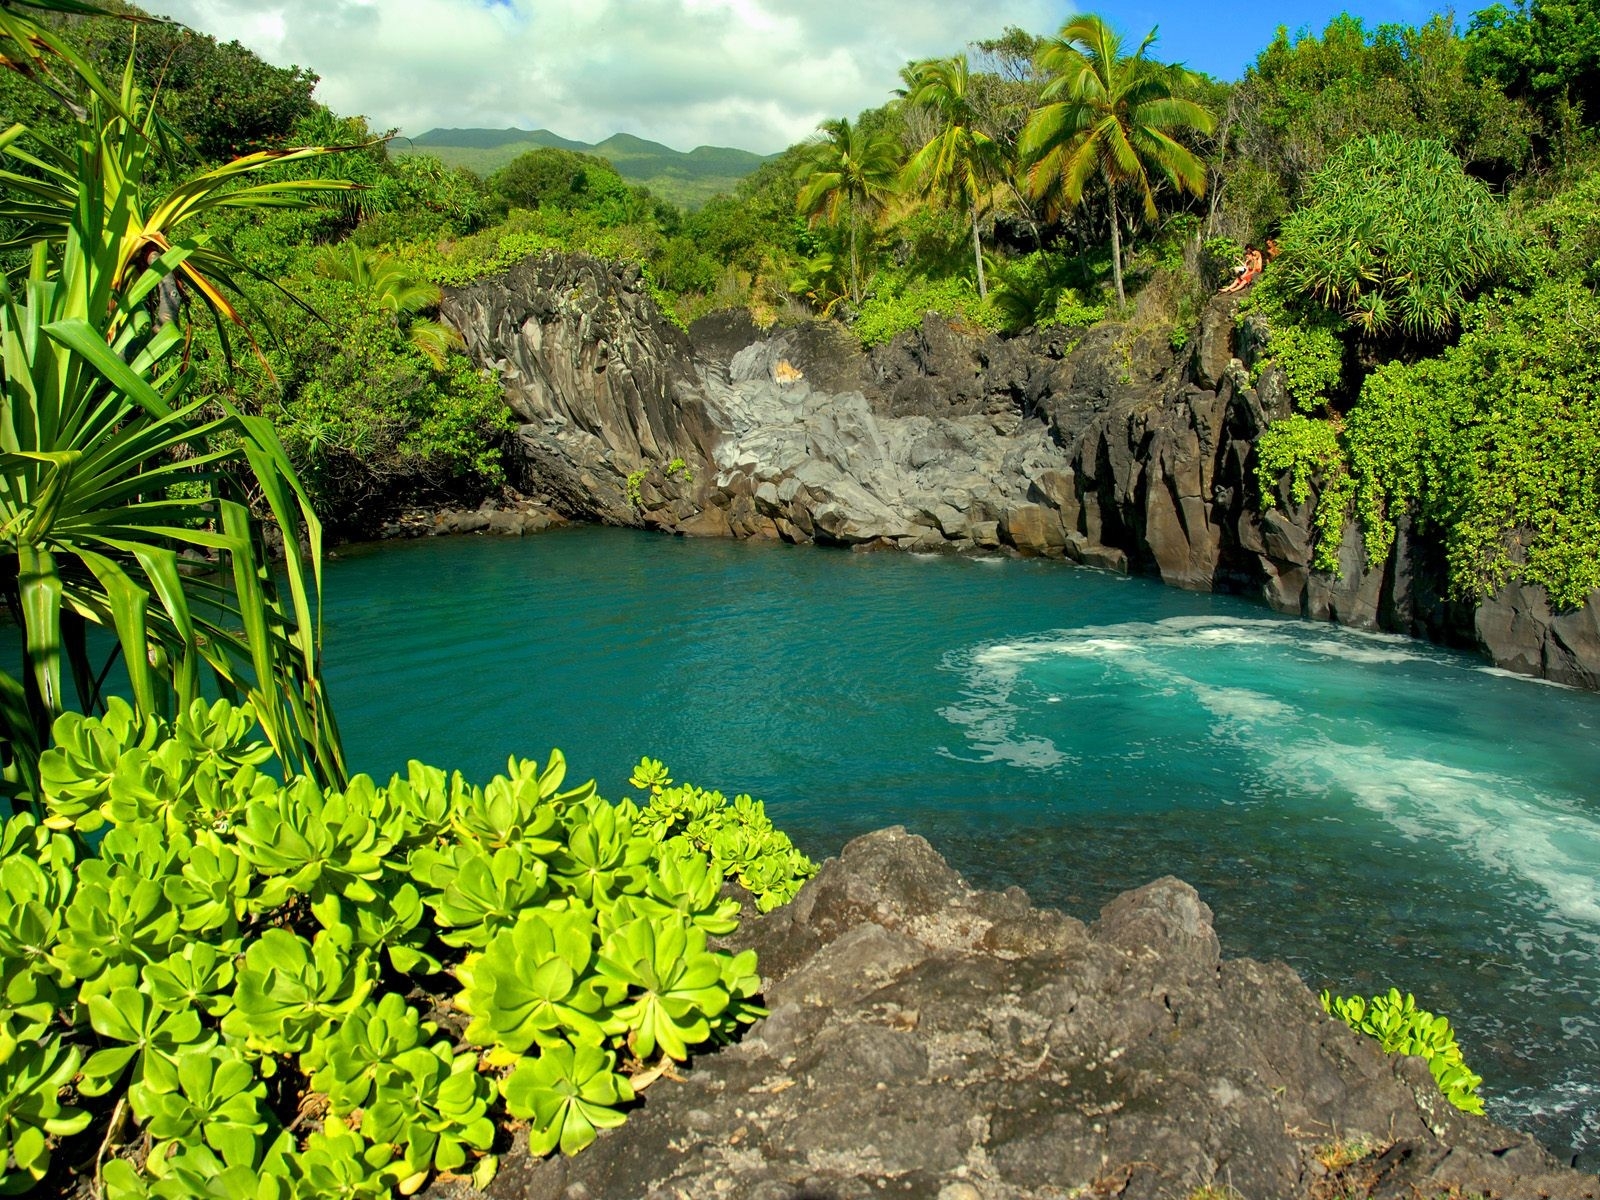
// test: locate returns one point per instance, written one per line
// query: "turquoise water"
(1373, 810)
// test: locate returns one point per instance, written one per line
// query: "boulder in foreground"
(932, 1042)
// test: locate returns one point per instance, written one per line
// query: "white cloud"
(757, 74)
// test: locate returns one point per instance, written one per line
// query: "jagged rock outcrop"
(937, 1043)
(1112, 451)
(603, 383)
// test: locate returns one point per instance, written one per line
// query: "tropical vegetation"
(1400, 1027)
(221, 983)
(229, 967)
(220, 335)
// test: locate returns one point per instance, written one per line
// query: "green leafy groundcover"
(1400, 1027)
(216, 984)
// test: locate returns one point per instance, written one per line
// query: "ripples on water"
(1373, 810)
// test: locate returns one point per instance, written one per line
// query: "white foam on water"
(1355, 652)
(1242, 704)
(1502, 673)
(1504, 824)
(1001, 653)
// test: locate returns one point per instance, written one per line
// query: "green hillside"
(687, 179)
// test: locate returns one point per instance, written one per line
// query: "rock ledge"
(932, 1042)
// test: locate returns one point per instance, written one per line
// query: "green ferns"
(1400, 1027)
(284, 992)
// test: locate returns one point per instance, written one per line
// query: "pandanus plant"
(126, 531)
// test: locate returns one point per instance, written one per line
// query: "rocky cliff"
(931, 1042)
(1112, 451)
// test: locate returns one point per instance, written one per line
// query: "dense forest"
(1429, 192)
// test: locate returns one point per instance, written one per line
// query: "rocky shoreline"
(1107, 448)
(933, 1042)
(506, 516)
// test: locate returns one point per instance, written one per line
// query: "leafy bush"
(556, 178)
(1395, 235)
(249, 988)
(1045, 290)
(1302, 339)
(1569, 225)
(893, 311)
(1493, 444)
(524, 232)
(370, 421)
(1400, 1027)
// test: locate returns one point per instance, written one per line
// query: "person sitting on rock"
(1248, 270)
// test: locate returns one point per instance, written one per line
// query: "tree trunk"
(855, 270)
(977, 254)
(1116, 248)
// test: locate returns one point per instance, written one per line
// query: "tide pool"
(1373, 810)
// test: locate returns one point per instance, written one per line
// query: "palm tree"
(392, 287)
(960, 161)
(110, 472)
(1112, 116)
(849, 174)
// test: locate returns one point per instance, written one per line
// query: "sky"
(755, 74)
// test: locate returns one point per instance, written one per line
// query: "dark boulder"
(933, 1042)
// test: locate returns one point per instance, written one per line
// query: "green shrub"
(1311, 452)
(1400, 1027)
(524, 232)
(1490, 446)
(1070, 312)
(1494, 444)
(368, 419)
(247, 972)
(1396, 235)
(893, 311)
(1300, 339)
(1044, 290)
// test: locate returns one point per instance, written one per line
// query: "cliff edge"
(1106, 447)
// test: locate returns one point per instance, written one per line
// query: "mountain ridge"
(685, 177)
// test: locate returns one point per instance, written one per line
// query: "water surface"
(1372, 810)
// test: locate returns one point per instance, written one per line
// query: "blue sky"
(757, 74)
(1223, 38)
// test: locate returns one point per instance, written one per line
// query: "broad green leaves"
(235, 939)
(675, 987)
(736, 835)
(567, 1093)
(290, 989)
(1400, 1027)
(32, 1077)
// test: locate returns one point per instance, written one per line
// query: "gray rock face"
(1113, 452)
(603, 383)
(936, 1043)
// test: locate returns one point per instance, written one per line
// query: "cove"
(1372, 810)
